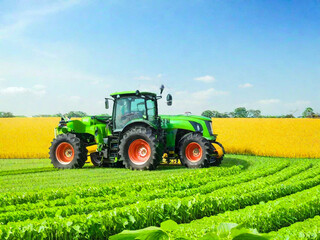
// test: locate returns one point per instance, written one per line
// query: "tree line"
(242, 112)
(70, 114)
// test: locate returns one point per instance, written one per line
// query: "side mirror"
(169, 100)
(161, 89)
(106, 103)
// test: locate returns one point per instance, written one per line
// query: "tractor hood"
(185, 117)
(190, 123)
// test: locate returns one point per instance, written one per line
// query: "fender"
(184, 136)
(138, 122)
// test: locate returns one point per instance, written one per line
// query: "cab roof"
(128, 93)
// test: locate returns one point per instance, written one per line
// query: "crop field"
(278, 197)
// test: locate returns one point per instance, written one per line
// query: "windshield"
(129, 108)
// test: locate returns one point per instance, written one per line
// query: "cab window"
(128, 109)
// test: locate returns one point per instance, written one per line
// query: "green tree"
(240, 112)
(6, 115)
(214, 114)
(217, 114)
(254, 113)
(207, 113)
(76, 114)
(224, 115)
(288, 116)
(308, 113)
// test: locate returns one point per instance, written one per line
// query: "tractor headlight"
(209, 127)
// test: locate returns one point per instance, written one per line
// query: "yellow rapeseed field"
(31, 137)
(294, 138)
(26, 137)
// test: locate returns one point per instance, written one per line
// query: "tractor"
(136, 136)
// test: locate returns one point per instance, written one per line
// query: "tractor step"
(113, 148)
(112, 157)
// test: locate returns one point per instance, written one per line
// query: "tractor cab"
(132, 106)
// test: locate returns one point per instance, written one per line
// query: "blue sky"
(57, 56)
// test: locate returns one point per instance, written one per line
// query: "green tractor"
(136, 137)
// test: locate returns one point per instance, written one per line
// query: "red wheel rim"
(139, 151)
(193, 152)
(64, 153)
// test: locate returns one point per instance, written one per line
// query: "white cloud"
(195, 102)
(179, 93)
(149, 88)
(245, 85)
(40, 73)
(142, 78)
(206, 94)
(39, 87)
(16, 22)
(220, 93)
(42, 53)
(36, 90)
(96, 82)
(302, 102)
(269, 101)
(202, 95)
(148, 78)
(74, 98)
(13, 90)
(206, 79)
(298, 105)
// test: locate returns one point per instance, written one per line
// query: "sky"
(58, 56)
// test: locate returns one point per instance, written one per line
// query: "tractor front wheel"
(138, 149)
(67, 151)
(194, 151)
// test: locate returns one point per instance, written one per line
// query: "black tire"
(139, 133)
(217, 162)
(79, 151)
(206, 149)
(95, 159)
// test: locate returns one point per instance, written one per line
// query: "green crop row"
(131, 197)
(265, 217)
(89, 176)
(20, 164)
(97, 176)
(105, 223)
(308, 229)
(27, 171)
(260, 183)
(173, 182)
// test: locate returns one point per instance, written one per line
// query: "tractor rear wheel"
(138, 149)
(67, 151)
(195, 151)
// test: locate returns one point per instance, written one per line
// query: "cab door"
(127, 109)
